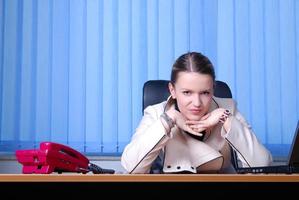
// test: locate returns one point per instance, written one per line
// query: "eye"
(206, 93)
(187, 93)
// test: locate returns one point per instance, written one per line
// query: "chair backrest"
(156, 91)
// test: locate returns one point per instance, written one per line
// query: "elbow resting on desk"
(133, 167)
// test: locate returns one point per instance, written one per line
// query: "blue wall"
(73, 71)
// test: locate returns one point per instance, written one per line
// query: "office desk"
(18, 185)
(70, 177)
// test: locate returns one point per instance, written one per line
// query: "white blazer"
(181, 152)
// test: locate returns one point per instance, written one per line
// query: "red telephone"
(55, 157)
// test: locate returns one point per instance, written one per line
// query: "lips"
(195, 111)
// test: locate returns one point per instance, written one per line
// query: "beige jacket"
(181, 152)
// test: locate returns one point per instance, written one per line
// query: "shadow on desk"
(149, 189)
(151, 186)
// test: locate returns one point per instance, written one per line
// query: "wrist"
(227, 124)
(171, 114)
(226, 120)
(165, 124)
(169, 121)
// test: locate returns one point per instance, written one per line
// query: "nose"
(197, 101)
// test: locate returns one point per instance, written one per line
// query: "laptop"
(292, 165)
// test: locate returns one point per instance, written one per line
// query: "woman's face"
(193, 92)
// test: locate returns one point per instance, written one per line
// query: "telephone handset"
(55, 157)
(197, 137)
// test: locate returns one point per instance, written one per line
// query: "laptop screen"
(291, 167)
(293, 158)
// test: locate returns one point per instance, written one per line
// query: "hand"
(180, 122)
(208, 121)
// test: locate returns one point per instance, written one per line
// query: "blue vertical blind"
(73, 71)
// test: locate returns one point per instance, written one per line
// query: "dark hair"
(192, 62)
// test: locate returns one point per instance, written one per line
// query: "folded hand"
(207, 121)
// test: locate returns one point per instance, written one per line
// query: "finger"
(194, 122)
(223, 118)
(193, 126)
(198, 129)
(191, 122)
(206, 116)
(194, 132)
(225, 114)
(197, 126)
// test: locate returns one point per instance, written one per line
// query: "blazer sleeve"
(146, 144)
(250, 151)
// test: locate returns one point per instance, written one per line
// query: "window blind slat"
(73, 71)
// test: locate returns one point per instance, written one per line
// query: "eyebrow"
(206, 90)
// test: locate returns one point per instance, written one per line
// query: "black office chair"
(156, 91)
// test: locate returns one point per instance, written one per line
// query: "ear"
(171, 90)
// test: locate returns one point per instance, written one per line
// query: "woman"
(193, 131)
